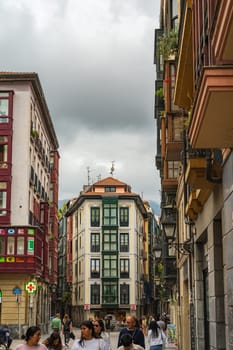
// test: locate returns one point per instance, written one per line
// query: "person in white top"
(100, 331)
(88, 340)
(32, 339)
(156, 336)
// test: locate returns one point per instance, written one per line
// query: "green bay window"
(110, 209)
(110, 292)
(110, 240)
(110, 265)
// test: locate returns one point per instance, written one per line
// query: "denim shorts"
(156, 347)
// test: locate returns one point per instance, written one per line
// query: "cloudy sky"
(94, 59)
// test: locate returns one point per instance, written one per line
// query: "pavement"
(113, 340)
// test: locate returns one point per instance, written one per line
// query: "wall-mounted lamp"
(168, 221)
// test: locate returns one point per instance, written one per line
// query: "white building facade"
(107, 251)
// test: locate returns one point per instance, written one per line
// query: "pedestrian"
(127, 343)
(88, 339)
(156, 337)
(53, 342)
(5, 336)
(132, 328)
(99, 329)
(56, 323)
(66, 328)
(144, 325)
(161, 322)
(32, 339)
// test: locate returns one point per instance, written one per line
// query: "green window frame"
(124, 293)
(110, 240)
(124, 216)
(95, 268)
(95, 242)
(110, 215)
(110, 268)
(124, 268)
(95, 216)
(95, 294)
(124, 242)
(110, 292)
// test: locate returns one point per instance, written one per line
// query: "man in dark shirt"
(132, 329)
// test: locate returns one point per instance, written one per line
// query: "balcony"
(212, 123)
(223, 34)
(195, 174)
(169, 185)
(173, 150)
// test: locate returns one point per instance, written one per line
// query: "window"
(124, 242)
(95, 268)
(95, 217)
(173, 169)
(30, 246)
(3, 151)
(95, 294)
(110, 295)
(174, 14)
(2, 245)
(124, 294)
(3, 198)
(177, 128)
(110, 214)
(20, 245)
(124, 216)
(10, 245)
(110, 265)
(124, 268)
(95, 242)
(4, 109)
(110, 240)
(110, 189)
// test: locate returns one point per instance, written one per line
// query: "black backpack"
(67, 326)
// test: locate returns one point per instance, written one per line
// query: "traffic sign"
(16, 291)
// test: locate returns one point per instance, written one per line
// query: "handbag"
(72, 336)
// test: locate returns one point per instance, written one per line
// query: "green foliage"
(168, 43)
(62, 211)
(160, 268)
(159, 92)
(34, 133)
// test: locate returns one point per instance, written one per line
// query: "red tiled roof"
(109, 181)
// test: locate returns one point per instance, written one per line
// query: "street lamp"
(158, 250)
(168, 221)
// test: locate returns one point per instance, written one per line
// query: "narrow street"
(113, 340)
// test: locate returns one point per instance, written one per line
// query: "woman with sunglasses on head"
(32, 339)
(99, 329)
(88, 339)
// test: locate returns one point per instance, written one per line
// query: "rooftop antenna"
(112, 168)
(88, 176)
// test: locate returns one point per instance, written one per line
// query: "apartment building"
(108, 252)
(29, 161)
(202, 236)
